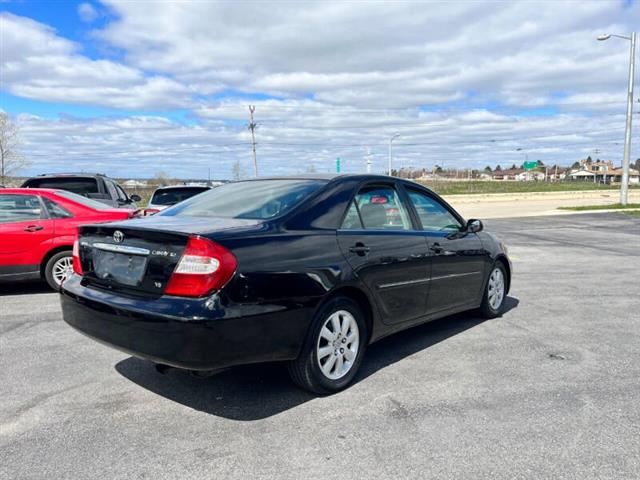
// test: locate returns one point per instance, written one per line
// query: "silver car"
(165, 197)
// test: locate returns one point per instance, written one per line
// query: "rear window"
(171, 196)
(258, 199)
(82, 186)
(19, 208)
(87, 202)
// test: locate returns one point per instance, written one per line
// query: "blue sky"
(139, 87)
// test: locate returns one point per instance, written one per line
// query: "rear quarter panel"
(286, 273)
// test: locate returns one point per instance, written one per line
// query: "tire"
(494, 292)
(53, 270)
(340, 352)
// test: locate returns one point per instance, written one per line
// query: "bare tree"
(161, 178)
(11, 159)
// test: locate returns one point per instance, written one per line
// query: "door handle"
(33, 228)
(359, 249)
(436, 248)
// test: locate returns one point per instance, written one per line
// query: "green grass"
(611, 206)
(479, 187)
(635, 213)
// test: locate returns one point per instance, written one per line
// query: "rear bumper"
(193, 334)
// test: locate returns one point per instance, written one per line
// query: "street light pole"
(624, 188)
(393, 137)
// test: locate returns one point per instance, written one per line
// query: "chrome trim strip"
(454, 275)
(425, 280)
(109, 247)
(407, 282)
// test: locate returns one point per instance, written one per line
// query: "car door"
(458, 258)
(378, 240)
(65, 223)
(24, 233)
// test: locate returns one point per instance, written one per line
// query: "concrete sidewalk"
(531, 204)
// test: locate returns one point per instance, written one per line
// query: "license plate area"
(122, 268)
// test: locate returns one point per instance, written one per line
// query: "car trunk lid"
(138, 257)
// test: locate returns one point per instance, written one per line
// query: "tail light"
(150, 211)
(77, 266)
(205, 266)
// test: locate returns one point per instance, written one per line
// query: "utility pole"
(624, 188)
(252, 127)
(393, 137)
(369, 160)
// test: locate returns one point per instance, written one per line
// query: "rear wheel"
(58, 268)
(334, 348)
(495, 292)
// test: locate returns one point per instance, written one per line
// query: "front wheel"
(495, 292)
(334, 348)
(58, 268)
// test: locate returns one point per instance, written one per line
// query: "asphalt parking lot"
(549, 390)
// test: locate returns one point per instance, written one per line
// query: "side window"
(121, 195)
(352, 220)
(380, 208)
(55, 210)
(19, 208)
(433, 215)
(111, 189)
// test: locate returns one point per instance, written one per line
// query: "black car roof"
(324, 176)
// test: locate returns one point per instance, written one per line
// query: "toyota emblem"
(118, 236)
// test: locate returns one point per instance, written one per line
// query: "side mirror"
(135, 197)
(474, 226)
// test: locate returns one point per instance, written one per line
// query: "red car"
(37, 230)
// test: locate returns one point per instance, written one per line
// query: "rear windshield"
(82, 186)
(171, 196)
(87, 202)
(259, 199)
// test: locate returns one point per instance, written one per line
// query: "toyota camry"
(307, 270)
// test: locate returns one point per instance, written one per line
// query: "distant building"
(134, 183)
(508, 174)
(601, 171)
(555, 174)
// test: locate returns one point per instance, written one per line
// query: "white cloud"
(380, 53)
(38, 64)
(464, 83)
(140, 146)
(87, 12)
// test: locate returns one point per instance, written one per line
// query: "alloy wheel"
(496, 289)
(338, 343)
(62, 269)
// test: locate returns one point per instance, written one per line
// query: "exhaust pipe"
(207, 373)
(163, 369)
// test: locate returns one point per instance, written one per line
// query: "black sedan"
(308, 270)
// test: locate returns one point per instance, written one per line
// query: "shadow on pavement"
(24, 288)
(255, 392)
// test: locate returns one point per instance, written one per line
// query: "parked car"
(95, 186)
(164, 197)
(37, 230)
(307, 270)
